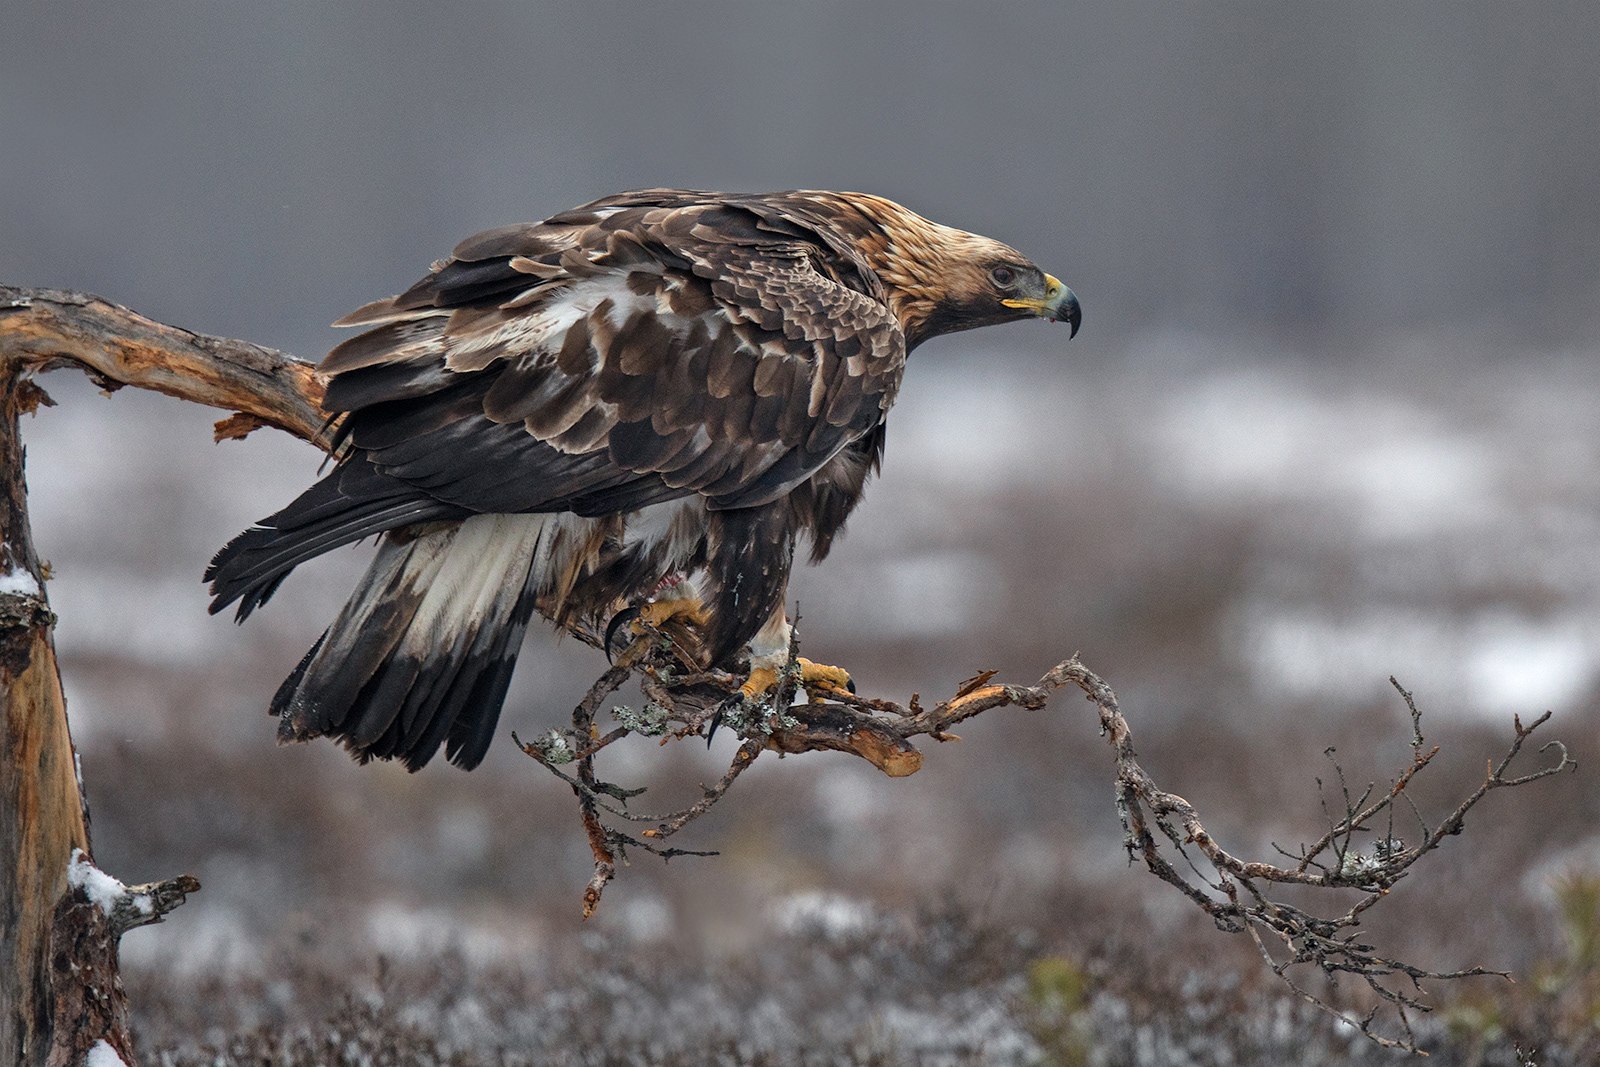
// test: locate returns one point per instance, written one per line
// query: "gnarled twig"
(1159, 827)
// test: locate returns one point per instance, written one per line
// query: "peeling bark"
(42, 816)
(48, 328)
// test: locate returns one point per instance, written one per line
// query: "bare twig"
(1234, 892)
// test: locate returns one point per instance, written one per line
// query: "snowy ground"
(1245, 542)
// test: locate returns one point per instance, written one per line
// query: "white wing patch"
(678, 525)
(537, 330)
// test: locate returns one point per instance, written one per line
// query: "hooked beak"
(1059, 304)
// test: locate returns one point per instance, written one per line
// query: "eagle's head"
(941, 280)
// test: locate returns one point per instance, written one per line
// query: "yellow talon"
(657, 613)
(674, 618)
(817, 678)
(820, 676)
(760, 681)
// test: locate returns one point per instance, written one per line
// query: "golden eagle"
(644, 400)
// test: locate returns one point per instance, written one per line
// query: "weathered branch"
(42, 329)
(89, 1003)
(1159, 827)
(127, 906)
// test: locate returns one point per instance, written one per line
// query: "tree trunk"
(42, 814)
(60, 918)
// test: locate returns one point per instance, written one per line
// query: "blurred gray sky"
(257, 169)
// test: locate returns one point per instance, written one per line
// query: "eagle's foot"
(818, 679)
(657, 613)
(759, 684)
(642, 620)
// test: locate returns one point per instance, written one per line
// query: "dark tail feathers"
(422, 653)
(353, 502)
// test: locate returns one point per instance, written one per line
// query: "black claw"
(618, 621)
(850, 684)
(737, 700)
(716, 720)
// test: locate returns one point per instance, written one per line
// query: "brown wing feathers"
(648, 347)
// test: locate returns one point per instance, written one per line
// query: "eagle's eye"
(1003, 276)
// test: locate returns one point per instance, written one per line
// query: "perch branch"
(1160, 828)
(44, 329)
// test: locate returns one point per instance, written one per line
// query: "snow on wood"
(18, 582)
(101, 1054)
(102, 889)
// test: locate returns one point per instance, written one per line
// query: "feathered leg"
(750, 553)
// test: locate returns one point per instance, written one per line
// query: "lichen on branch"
(1160, 828)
